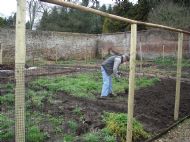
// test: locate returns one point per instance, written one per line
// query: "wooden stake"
(141, 56)
(163, 51)
(189, 46)
(86, 56)
(20, 53)
(56, 54)
(1, 54)
(131, 81)
(178, 77)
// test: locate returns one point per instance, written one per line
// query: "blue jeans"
(107, 83)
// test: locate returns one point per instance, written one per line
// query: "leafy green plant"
(91, 137)
(77, 111)
(35, 98)
(116, 124)
(186, 63)
(103, 135)
(6, 128)
(146, 82)
(10, 87)
(171, 61)
(35, 135)
(39, 84)
(55, 122)
(7, 98)
(68, 138)
(109, 138)
(72, 125)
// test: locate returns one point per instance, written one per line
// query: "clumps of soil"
(7, 67)
(10, 66)
(154, 106)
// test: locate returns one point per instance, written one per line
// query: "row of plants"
(169, 62)
(116, 128)
(86, 85)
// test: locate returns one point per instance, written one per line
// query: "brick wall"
(48, 45)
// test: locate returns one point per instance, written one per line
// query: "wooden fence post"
(189, 47)
(20, 53)
(141, 55)
(131, 81)
(56, 54)
(178, 76)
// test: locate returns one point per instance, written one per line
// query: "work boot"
(102, 97)
(112, 95)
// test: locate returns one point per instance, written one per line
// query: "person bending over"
(110, 66)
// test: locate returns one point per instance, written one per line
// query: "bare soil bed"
(154, 107)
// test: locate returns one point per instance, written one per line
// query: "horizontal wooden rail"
(111, 16)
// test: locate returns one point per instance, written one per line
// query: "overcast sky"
(7, 7)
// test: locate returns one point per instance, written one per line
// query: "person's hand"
(119, 73)
(117, 78)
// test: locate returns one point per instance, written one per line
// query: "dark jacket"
(111, 64)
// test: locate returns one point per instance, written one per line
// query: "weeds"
(7, 131)
(68, 138)
(171, 62)
(36, 98)
(86, 85)
(116, 124)
(7, 99)
(82, 85)
(78, 111)
(6, 128)
(54, 122)
(72, 125)
(99, 136)
(146, 82)
(116, 128)
(91, 137)
(34, 134)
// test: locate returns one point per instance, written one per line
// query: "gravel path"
(179, 134)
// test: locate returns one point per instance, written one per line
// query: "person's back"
(108, 64)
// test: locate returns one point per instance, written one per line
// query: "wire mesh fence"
(159, 56)
(53, 114)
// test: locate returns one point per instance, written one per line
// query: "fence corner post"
(131, 81)
(1, 55)
(178, 76)
(20, 53)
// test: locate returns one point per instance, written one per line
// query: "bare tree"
(35, 10)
